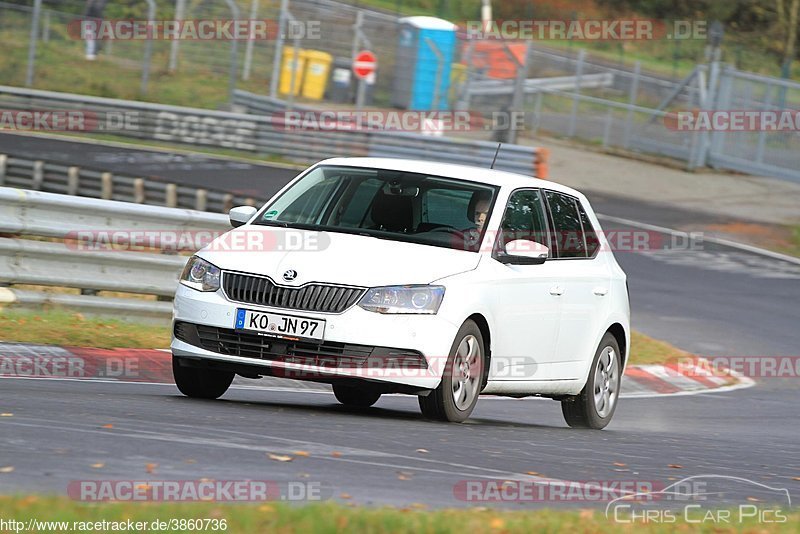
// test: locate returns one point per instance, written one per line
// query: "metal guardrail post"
(172, 196)
(201, 199)
(139, 195)
(227, 202)
(38, 175)
(106, 185)
(3, 167)
(73, 180)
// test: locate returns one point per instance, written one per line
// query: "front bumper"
(358, 344)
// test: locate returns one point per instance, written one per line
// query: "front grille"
(310, 297)
(325, 354)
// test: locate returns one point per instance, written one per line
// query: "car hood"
(333, 257)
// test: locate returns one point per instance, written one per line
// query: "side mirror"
(241, 214)
(523, 252)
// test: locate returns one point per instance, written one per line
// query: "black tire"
(440, 403)
(199, 383)
(355, 396)
(581, 411)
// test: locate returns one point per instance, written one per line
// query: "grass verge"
(334, 517)
(62, 327)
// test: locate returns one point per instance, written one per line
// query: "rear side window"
(567, 225)
(589, 233)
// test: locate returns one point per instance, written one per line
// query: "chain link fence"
(598, 101)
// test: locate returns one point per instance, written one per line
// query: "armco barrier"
(53, 262)
(51, 177)
(262, 134)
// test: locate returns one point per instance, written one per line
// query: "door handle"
(600, 291)
(557, 291)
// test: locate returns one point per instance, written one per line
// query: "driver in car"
(479, 211)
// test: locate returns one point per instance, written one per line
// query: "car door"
(583, 284)
(525, 306)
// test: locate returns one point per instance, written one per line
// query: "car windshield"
(387, 204)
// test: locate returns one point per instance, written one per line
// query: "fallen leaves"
(675, 466)
(6, 414)
(98, 465)
(279, 457)
(150, 468)
(345, 496)
(620, 464)
(404, 475)
(497, 523)
(422, 451)
(7, 469)
(302, 453)
(109, 425)
(534, 474)
(336, 454)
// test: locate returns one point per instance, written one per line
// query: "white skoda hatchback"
(391, 276)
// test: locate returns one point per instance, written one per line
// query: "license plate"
(276, 324)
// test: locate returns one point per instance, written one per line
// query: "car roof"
(453, 170)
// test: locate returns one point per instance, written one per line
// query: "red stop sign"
(364, 64)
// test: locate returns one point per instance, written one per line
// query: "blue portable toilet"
(417, 63)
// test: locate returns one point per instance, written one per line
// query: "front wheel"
(457, 394)
(594, 406)
(355, 396)
(200, 383)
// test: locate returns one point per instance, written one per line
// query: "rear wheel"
(595, 405)
(457, 394)
(200, 383)
(355, 396)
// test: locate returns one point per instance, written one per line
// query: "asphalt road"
(712, 301)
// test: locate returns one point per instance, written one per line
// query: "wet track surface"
(713, 301)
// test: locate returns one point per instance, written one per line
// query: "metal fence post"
(518, 98)
(180, 9)
(37, 9)
(276, 61)
(46, 27)
(3, 166)
(637, 70)
(234, 53)
(148, 47)
(248, 51)
(573, 118)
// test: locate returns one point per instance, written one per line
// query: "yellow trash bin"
(286, 71)
(315, 78)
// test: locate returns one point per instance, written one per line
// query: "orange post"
(541, 168)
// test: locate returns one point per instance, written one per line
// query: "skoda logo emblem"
(290, 275)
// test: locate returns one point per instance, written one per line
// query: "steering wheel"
(449, 230)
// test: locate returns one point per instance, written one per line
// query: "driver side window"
(524, 218)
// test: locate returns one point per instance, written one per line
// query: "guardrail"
(40, 175)
(72, 262)
(253, 133)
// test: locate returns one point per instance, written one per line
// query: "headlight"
(200, 275)
(403, 299)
